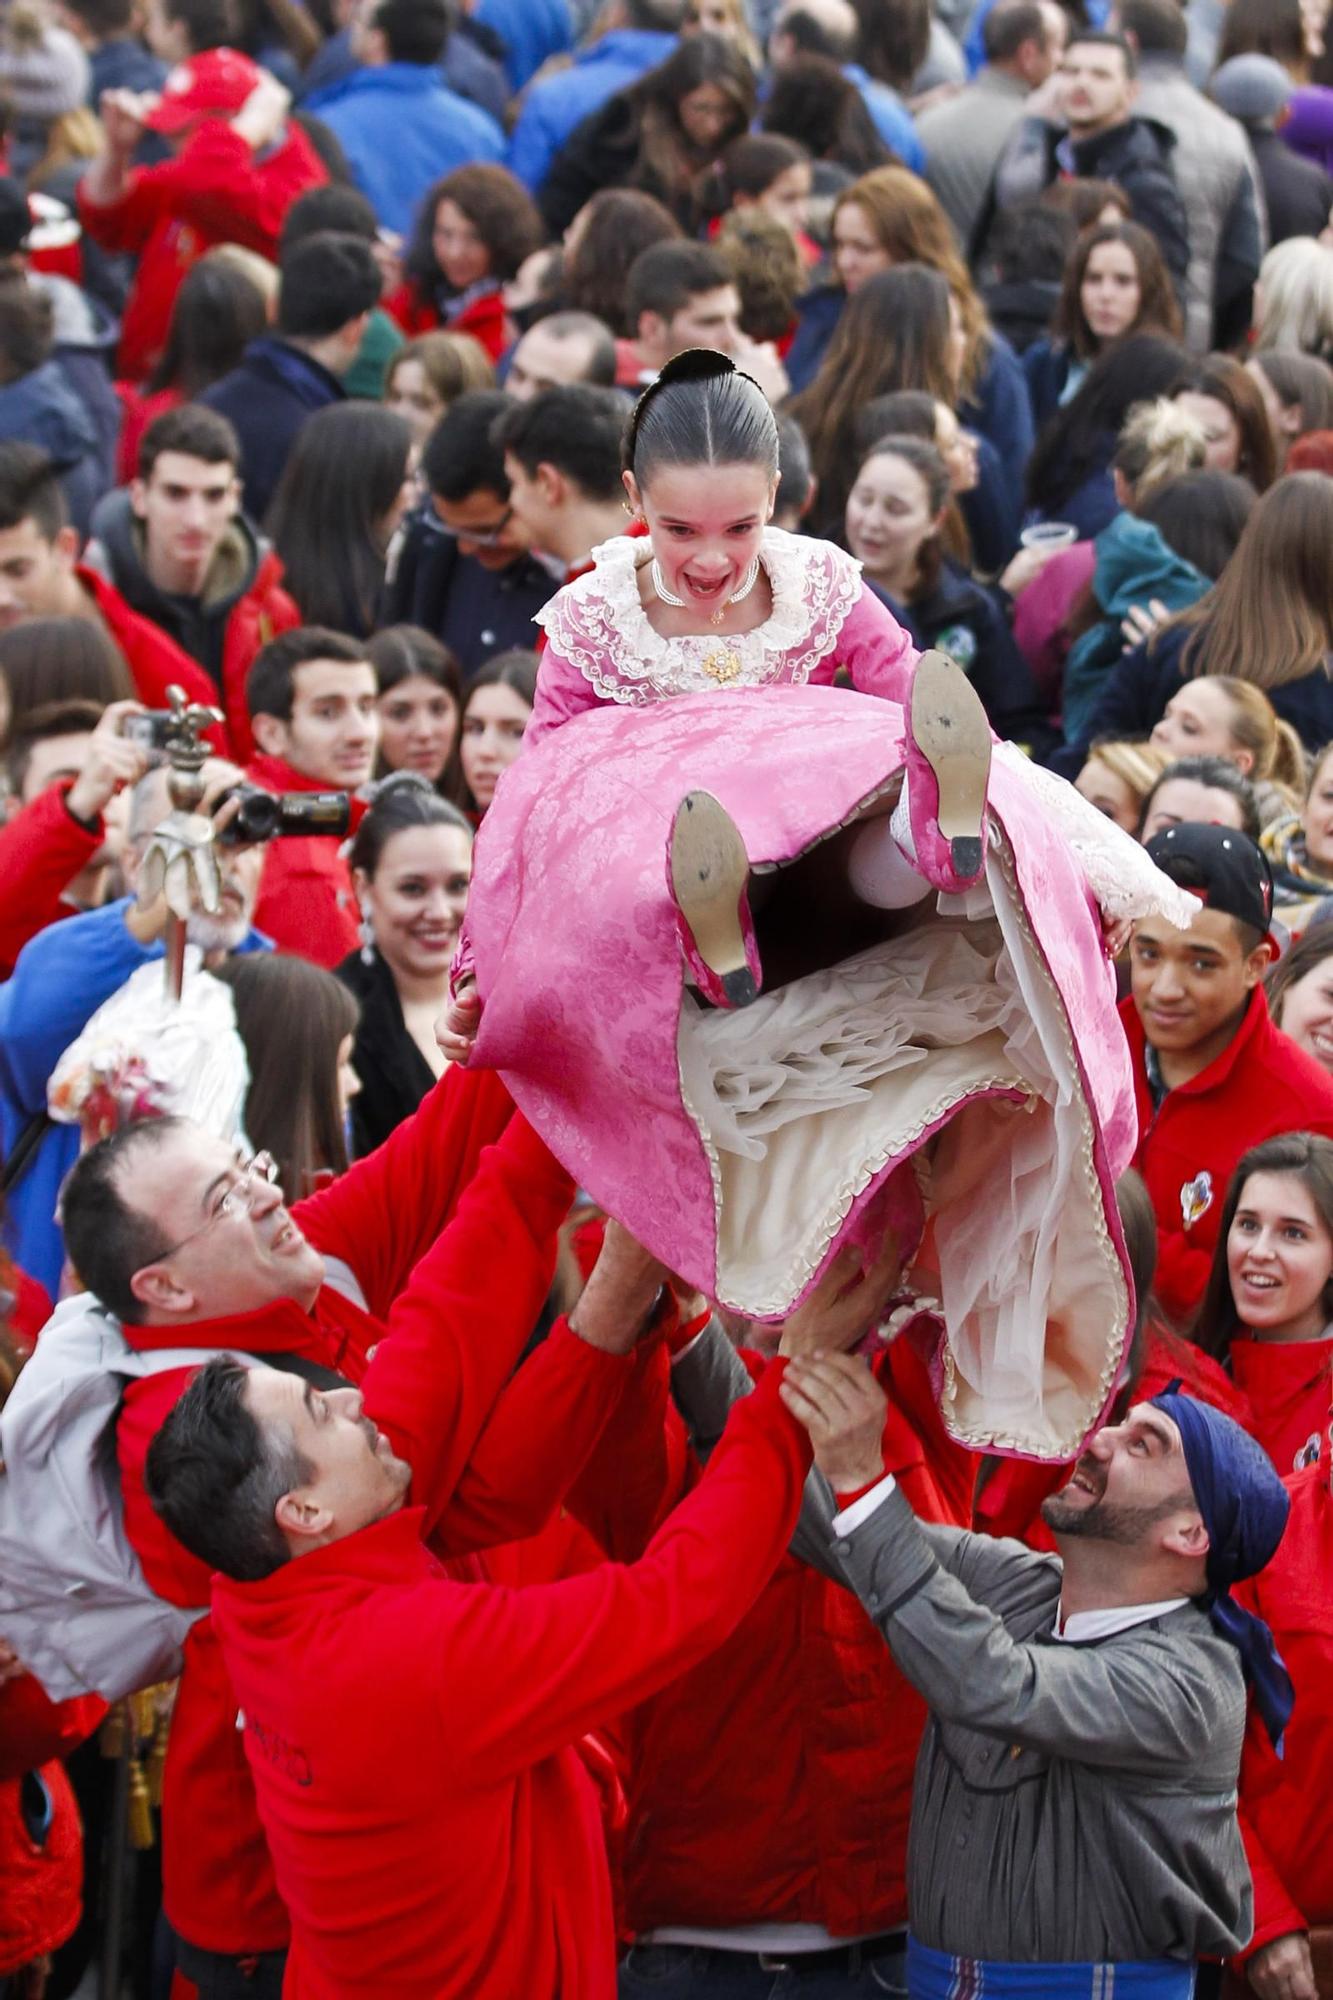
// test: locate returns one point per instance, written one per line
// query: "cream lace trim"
(598, 624)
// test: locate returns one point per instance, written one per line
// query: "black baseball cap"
(1221, 866)
(15, 217)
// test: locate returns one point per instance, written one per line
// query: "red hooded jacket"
(1260, 1086)
(153, 658)
(1289, 1385)
(214, 191)
(1285, 1803)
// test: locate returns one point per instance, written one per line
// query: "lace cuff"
(1124, 881)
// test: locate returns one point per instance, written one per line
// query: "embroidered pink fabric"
(978, 1056)
(600, 646)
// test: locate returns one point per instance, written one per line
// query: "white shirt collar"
(1100, 1624)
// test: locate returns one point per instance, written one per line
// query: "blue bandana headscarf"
(1244, 1507)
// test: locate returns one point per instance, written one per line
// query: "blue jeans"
(694, 1972)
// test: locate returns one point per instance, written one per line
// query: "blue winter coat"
(41, 408)
(401, 129)
(62, 977)
(268, 397)
(531, 30)
(556, 105)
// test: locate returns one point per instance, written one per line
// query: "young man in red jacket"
(313, 700)
(190, 1249)
(237, 169)
(178, 549)
(41, 577)
(1212, 1074)
(412, 1739)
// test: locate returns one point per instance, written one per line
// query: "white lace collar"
(599, 625)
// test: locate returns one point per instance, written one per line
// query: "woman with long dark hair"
(889, 218)
(1115, 282)
(601, 243)
(1069, 473)
(421, 707)
(411, 862)
(900, 330)
(1229, 406)
(473, 231)
(342, 494)
(297, 1023)
(660, 135)
(496, 712)
(218, 311)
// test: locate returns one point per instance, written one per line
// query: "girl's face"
(1279, 1259)
(706, 523)
(494, 720)
(459, 251)
(1110, 294)
(958, 449)
(706, 115)
(418, 727)
(1307, 1012)
(1198, 723)
(1100, 786)
(417, 897)
(889, 518)
(858, 253)
(1319, 817)
(787, 198)
(409, 392)
(712, 17)
(1221, 432)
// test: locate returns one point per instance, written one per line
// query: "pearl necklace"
(714, 617)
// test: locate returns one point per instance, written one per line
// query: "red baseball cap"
(214, 84)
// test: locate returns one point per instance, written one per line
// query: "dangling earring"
(366, 933)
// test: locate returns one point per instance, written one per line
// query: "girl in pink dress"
(773, 966)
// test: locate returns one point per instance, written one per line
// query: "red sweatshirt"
(1260, 1086)
(42, 849)
(1285, 1804)
(486, 319)
(490, 1483)
(306, 901)
(214, 191)
(432, 1828)
(1290, 1385)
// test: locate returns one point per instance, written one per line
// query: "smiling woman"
(1269, 1304)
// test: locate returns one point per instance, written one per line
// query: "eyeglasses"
(480, 538)
(253, 1174)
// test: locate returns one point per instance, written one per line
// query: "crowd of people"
(912, 425)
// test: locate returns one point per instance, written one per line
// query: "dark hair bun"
(695, 364)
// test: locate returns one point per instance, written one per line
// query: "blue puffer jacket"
(42, 409)
(401, 129)
(556, 105)
(62, 977)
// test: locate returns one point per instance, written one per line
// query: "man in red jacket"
(412, 1739)
(41, 577)
(1212, 1074)
(191, 1250)
(178, 549)
(238, 168)
(313, 700)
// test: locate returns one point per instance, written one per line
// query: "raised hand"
(843, 1407)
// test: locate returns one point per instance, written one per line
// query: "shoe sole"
(709, 871)
(950, 729)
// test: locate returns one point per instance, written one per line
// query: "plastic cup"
(1049, 536)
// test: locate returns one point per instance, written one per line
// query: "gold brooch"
(722, 664)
